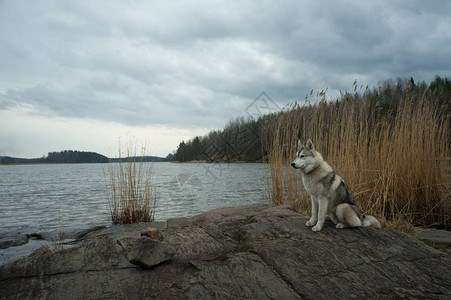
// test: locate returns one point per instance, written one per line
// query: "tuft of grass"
(401, 225)
(395, 158)
(132, 198)
(57, 243)
(305, 211)
(440, 247)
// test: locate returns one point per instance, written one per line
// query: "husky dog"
(330, 194)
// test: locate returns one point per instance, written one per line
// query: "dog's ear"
(300, 145)
(310, 145)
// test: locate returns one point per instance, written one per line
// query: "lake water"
(77, 194)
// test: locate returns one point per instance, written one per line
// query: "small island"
(72, 157)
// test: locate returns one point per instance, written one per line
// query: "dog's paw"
(310, 223)
(317, 228)
(340, 225)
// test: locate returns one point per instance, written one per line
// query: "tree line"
(74, 156)
(70, 156)
(249, 139)
(62, 157)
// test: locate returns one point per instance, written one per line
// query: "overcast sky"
(78, 75)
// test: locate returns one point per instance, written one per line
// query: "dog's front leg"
(323, 204)
(314, 217)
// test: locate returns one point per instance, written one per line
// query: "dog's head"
(307, 159)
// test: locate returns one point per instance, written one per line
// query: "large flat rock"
(257, 251)
(436, 237)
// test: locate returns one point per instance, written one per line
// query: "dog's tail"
(369, 220)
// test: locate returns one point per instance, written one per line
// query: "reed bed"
(132, 198)
(395, 160)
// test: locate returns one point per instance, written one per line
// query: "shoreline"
(216, 162)
(15, 244)
(74, 163)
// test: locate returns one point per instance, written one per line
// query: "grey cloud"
(201, 64)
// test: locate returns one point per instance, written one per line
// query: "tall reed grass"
(132, 198)
(396, 161)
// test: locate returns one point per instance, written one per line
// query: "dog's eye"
(302, 156)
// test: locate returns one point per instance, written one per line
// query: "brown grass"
(132, 198)
(402, 225)
(395, 162)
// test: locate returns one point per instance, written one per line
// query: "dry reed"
(395, 162)
(132, 198)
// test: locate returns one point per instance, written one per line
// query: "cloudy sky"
(81, 74)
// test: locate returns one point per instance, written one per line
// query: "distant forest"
(70, 157)
(140, 158)
(249, 139)
(62, 157)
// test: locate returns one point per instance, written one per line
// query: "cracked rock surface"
(257, 251)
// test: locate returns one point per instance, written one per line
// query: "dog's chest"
(311, 186)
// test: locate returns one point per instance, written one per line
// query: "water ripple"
(77, 195)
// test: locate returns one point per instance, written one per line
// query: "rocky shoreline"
(255, 251)
(21, 242)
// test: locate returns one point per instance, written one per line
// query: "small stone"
(152, 233)
(436, 237)
(148, 253)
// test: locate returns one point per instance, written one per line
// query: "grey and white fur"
(329, 193)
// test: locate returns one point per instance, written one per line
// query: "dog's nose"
(293, 165)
